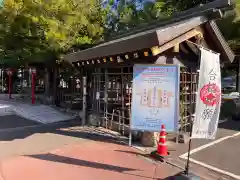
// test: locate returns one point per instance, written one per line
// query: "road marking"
(184, 156)
(209, 144)
(214, 168)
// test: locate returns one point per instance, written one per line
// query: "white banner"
(208, 100)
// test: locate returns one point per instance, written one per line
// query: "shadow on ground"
(79, 162)
(142, 154)
(13, 121)
(89, 164)
(68, 129)
(57, 128)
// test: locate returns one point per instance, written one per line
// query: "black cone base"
(183, 176)
(156, 156)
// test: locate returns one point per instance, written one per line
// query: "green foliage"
(229, 26)
(40, 30)
(37, 28)
(172, 6)
(129, 14)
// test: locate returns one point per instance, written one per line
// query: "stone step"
(39, 113)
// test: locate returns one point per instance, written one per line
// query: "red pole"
(33, 88)
(9, 85)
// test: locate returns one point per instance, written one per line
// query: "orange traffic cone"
(162, 146)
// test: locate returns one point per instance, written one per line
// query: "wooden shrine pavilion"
(107, 68)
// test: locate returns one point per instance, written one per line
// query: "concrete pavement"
(28, 144)
(35, 147)
(63, 153)
(88, 160)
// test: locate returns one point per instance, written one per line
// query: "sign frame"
(176, 98)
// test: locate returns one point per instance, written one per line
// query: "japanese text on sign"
(155, 97)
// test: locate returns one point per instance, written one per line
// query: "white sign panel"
(209, 97)
(155, 97)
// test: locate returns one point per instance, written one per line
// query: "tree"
(229, 26)
(124, 15)
(31, 29)
(171, 6)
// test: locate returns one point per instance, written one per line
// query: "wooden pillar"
(238, 76)
(84, 105)
(55, 85)
(46, 82)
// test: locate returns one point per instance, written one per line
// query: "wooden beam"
(155, 50)
(176, 48)
(174, 42)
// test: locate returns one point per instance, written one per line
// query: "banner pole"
(192, 107)
(189, 149)
(191, 129)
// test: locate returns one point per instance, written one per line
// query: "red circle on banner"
(210, 94)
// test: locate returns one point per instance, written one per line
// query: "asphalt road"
(13, 121)
(219, 157)
(224, 155)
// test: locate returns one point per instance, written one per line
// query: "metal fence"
(70, 91)
(188, 90)
(110, 97)
(110, 92)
